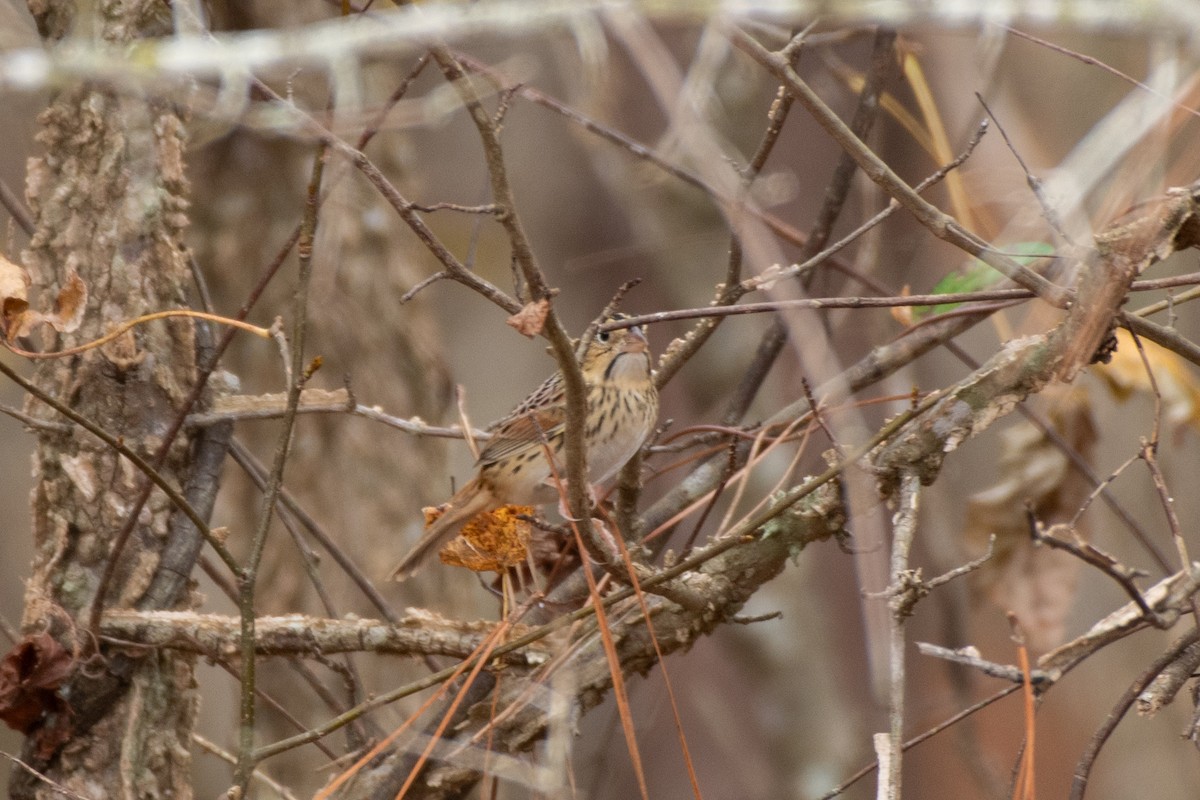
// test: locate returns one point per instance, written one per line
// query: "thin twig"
(1095, 62)
(310, 561)
(1170, 304)
(1087, 553)
(883, 68)
(941, 225)
(916, 740)
(119, 446)
(223, 754)
(963, 569)
(1167, 337)
(903, 532)
(1034, 183)
(969, 657)
(1100, 487)
(13, 205)
(34, 423)
(55, 786)
(898, 301)
(574, 400)
(422, 284)
(1149, 454)
(287, 500)
(1083, 769)
(248, 574)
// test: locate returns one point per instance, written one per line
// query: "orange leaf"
(491, 542)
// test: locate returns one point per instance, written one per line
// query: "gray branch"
(337, 45)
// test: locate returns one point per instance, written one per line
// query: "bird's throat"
(628, 370)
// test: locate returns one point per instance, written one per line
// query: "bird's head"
(619, 355)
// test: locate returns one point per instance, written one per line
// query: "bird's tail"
(467, 502)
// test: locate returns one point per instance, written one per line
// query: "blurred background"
(781, 708)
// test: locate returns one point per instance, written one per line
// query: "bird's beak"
(635, 341)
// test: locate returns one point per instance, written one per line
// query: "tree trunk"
(109, 199)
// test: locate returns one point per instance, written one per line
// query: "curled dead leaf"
(530, 319)
(490, 542)
(14, 298)
(30, 677)
(17, 319)
(14, 281)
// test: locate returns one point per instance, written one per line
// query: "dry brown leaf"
(30, 677)
(530, 319)
(17, 319)
(14, 281)
(14, 298)
(491, 542)
(1126, 374)
(1036, 583)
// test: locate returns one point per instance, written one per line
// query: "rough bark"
(108, 196)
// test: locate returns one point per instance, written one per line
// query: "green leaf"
(978, 275)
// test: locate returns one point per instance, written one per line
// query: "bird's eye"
(603, 336)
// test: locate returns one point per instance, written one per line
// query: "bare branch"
(324, 45)
(216, 636)
(969, 657)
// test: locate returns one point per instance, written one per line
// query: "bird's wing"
(521, 431)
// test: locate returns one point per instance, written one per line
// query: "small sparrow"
(622, 406)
